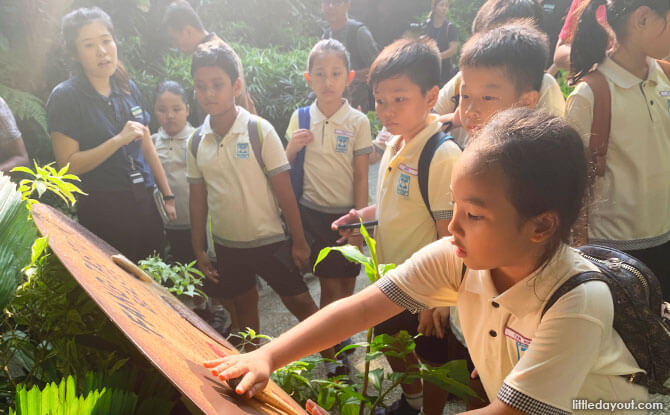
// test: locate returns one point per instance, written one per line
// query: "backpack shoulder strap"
(304, 120)
(256, 140)
(195, 141)
(600, 126)
(571, 283)
(665, 65)
(425, 159)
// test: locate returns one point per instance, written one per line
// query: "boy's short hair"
(498, 12)
(180, 14)
(418, 59)
(217, 57)
(519, 48)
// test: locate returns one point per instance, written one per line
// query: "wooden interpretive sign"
(174, 339)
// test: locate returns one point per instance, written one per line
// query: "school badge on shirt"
(342, 144)
(666, 95)
(137, 112)
(403, 185)
(242, 150)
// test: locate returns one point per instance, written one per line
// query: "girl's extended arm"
(283, 191)
(151, 156)
(66, 149)
(336, 322)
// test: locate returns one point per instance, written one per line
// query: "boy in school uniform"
(187, 33)
(405, 78)
(228, 180)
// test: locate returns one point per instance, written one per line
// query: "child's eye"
(400, 99)
(474, 217)
(489, 98)
(464, 96)
(379, 102)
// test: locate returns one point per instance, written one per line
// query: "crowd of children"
(479, 218)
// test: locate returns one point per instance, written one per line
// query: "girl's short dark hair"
(416, 58)
(223, 58)
(518, 47)
(498, 12)
(328, 46)
(589, 43)
(544, 162)
(72, 22)
(173, 88)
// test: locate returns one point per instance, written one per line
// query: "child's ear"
(544, 226)
(432, 95)
(529, 99)
(237, 87)
(352, 75)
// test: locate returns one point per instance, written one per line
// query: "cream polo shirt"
(630, 207)
(405, 225)
(551, 99)
(241, 204)
(534, 365)
(329, 158)
(172, 154)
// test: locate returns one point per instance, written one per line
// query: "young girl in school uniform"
(517, 191)
(337, 146)
(629, 204)
(172, 109)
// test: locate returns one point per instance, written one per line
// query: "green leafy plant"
(90, 398)
(249, 338)
(16, 238)
(48, 179)
(180, 279)
(452, 376)
(563, 82)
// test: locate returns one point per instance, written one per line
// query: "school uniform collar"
(530, 294)
(88, 89)
(339, 117)
(184, 134)
(622, 77)
(240, 125)
(416, 144)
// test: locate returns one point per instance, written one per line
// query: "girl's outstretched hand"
(253, 369)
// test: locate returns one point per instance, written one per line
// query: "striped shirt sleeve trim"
(360, 151)
(522, 402)
(443, 214)
(279, 169)
(398, 296)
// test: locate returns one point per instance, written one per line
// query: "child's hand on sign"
(252, 368)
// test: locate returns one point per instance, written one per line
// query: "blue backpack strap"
(425, 159)
(298, 166)
(195, 141)
(256, 140)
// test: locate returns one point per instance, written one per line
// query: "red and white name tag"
(345, 133)
(517, 337)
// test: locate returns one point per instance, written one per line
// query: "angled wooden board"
(165, 332)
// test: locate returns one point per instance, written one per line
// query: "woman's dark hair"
(70, 26)
(589, 43)
(180, 14)
(328, 46)
(544, 162)
(498, 12)
(173, 88)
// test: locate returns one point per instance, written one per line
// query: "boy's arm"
(283, 191)
(361, 181)
(198, 210)
(320, 331)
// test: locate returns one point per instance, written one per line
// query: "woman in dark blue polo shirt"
(98, 126)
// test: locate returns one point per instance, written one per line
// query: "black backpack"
(640, 315)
